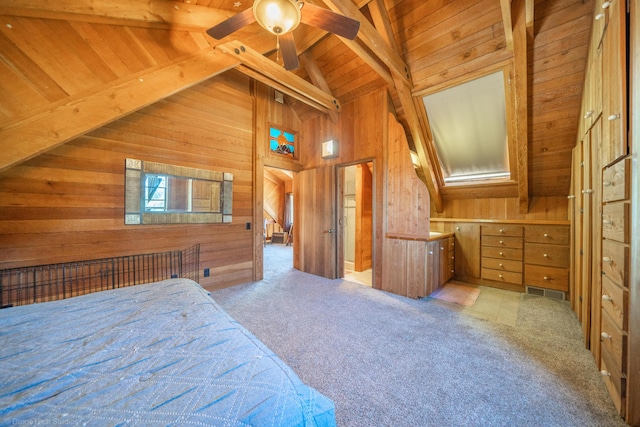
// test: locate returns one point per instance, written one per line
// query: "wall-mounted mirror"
(157, 193)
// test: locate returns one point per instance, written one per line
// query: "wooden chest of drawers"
(614, 298)
(546, 257)
(501, 253)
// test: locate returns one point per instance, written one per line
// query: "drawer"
(614, 302)
(613, 379)
(546, 277)
(615, 342)
(502, 242)
(615, 262)
(502, 230)
(502, 253)
(615, 222)
(502, 264)
(502, 276)
(615, 181)
(555, 235)
(550, 255)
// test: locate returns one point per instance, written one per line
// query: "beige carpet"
(457, 294)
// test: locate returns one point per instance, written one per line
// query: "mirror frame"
(134, 213)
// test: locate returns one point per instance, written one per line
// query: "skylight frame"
(474, 171)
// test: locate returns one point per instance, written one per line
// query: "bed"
(163, 353)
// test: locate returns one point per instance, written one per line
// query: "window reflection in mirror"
(160, 194)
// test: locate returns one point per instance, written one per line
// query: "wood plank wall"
(68, 204)
(274, 197)
(407, 208)
(364, 218)
(540, 209)
(361, 132)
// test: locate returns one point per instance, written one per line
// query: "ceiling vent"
(545, 292)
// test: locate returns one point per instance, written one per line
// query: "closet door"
(315, 237)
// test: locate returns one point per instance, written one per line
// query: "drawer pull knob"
(545, 235)
(500, 276)
(607, 183)
(605, 373)
(430, 252)
(442, 248)
(606, 4)
(571, 196)
(607, 222)
(546, 255)
(587, 191)
(605, 336)
(501, 265)
(501, 242)
(606, 297)
(452, 271)
(613, 117)
(458, 228)
(546, 277)
(606, 259)
(501, 254)
(588, 114)
(501, 230)
(599, 16)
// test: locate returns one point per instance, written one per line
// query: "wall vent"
(279, 96)
(545, 292)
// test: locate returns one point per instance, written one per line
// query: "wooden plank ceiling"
(69, 67)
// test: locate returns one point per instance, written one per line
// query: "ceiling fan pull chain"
(278, 48)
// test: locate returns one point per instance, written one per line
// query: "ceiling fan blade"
(329, 21)
(232, 24)
(288, 49)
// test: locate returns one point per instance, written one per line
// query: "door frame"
(340, 213)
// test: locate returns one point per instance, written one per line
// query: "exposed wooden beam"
(415, 119)
(520, 87)
(421, 144)
(372, 39)
(381, 21)
(530, 17)
(505, 7)
(26, 137)
(269, 72)
(317, 78)
(142, 13)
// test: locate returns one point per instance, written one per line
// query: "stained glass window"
(282, 142)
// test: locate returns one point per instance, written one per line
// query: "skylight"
(469, 128)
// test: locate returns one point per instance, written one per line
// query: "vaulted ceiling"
(70, 66)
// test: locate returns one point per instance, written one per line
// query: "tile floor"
(493, 304)
(362, 277)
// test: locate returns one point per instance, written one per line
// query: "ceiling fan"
(281, 17)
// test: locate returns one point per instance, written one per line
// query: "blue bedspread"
(158, 354)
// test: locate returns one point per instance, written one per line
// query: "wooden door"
(578, 177)
(595, 224)
(314, 246)
(467, 250)
(586, 195)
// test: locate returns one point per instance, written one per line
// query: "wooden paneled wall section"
(604, 204)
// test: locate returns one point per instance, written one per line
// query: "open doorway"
(357, 222)
(277, 220)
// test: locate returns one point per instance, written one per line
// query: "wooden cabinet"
(614, 297)
(416, 267)
(501, 253)
(546, 257)
(467, 250)
(447, 259)
(614, 84)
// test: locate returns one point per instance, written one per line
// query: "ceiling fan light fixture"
(277, 16)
